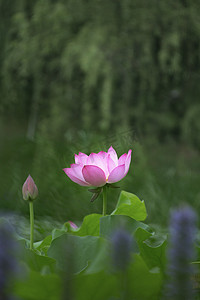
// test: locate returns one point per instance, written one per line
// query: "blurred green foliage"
(80, 76)
(103, 64)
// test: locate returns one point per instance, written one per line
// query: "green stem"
(104, 200)
(31, 223)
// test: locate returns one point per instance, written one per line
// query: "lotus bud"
(73, 225)
(29, 189)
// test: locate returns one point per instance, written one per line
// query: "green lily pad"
(130, 205)
(75, 251)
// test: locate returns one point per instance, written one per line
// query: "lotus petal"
(117, 174)
(113, 155)
(128, 161)
(81, 158)
(110, 163)
(71, 175)
(122, 159)
(94, 175)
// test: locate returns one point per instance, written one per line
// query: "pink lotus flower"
(98, 169)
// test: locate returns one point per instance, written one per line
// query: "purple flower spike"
(8, 263)
(29, 189)
(121, 242)
(180, 254)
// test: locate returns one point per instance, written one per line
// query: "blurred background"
(84, 75)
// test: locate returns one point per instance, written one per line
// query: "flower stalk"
(104, 200)
(31, 224)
